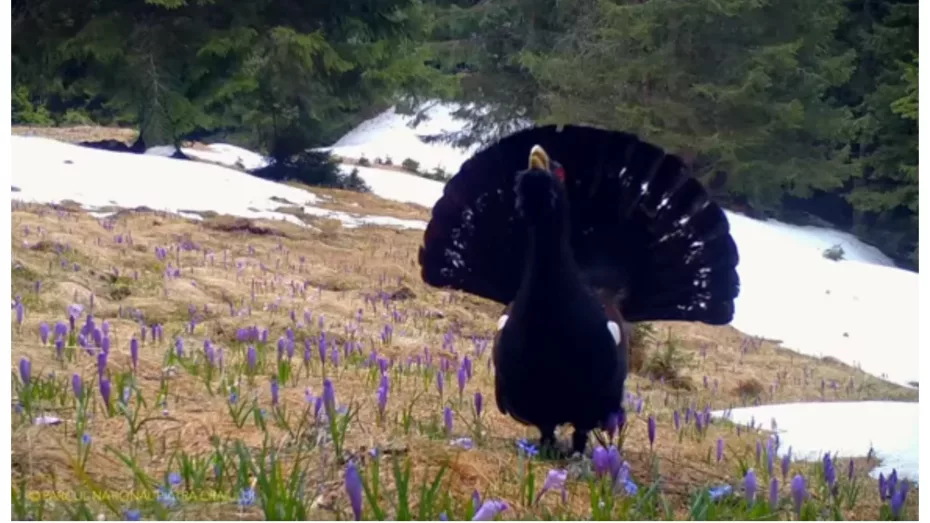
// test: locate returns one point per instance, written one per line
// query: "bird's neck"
(549, 261)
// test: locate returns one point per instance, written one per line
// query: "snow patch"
(848, 428)
(47, 171)
(391, 134)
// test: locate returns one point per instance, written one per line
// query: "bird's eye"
(560, 173)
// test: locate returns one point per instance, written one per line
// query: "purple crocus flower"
(614, 462)
(751, 484)
(489, 510)
(61, 329)
(439, 382)
(77, 385)
(179, 347)
(385, 382)
(555, 480)
(44, 332)
(382, 399)
(329, 396)
(461, 379)
(652, 430)
(719, 449)
(134, 352)
(479, 403)
(252, 358)
(829, 470)
(25, 371)
(60, 348)
(354, 490)
(898, 497)
(101, 363)
(719, 492)
(105, 391)
(785, 465)
(798, 493)
(622, 480)
(274, 392)
(851, 470)
(676, 418)
(447, 418)
(209, 352)
(601, 461)
(773, 493)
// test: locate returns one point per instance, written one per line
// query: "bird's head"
(540, 188)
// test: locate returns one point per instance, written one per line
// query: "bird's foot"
(552, 449)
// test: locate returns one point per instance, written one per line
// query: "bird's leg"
(579, 440)
(548, 445)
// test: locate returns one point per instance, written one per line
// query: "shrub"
(411, 165)
(749, 390)
(25, 112)
(365, 162)
(312, 168)
(667, 364)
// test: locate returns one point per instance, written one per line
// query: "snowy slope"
(398, 186)
(389, 135)
(50, 171)
(854, 310)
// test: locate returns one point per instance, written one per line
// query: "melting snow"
(848, 428)
(51, 171)
(220, 153)
(398, 186)
(390, 135)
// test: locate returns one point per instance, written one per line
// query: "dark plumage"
(627, 236)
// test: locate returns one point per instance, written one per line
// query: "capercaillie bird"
(578, 231)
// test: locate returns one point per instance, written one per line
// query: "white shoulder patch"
(614, 331)
(502, 321)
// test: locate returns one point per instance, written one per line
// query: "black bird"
(595, 230)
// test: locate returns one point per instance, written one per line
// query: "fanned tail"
(642, 228)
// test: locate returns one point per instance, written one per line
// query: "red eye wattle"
(560, 173)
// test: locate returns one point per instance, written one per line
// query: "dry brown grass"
(79, 133)
(341, 266)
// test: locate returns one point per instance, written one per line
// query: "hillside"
(234, 252)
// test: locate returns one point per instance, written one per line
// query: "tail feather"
(642, 227)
